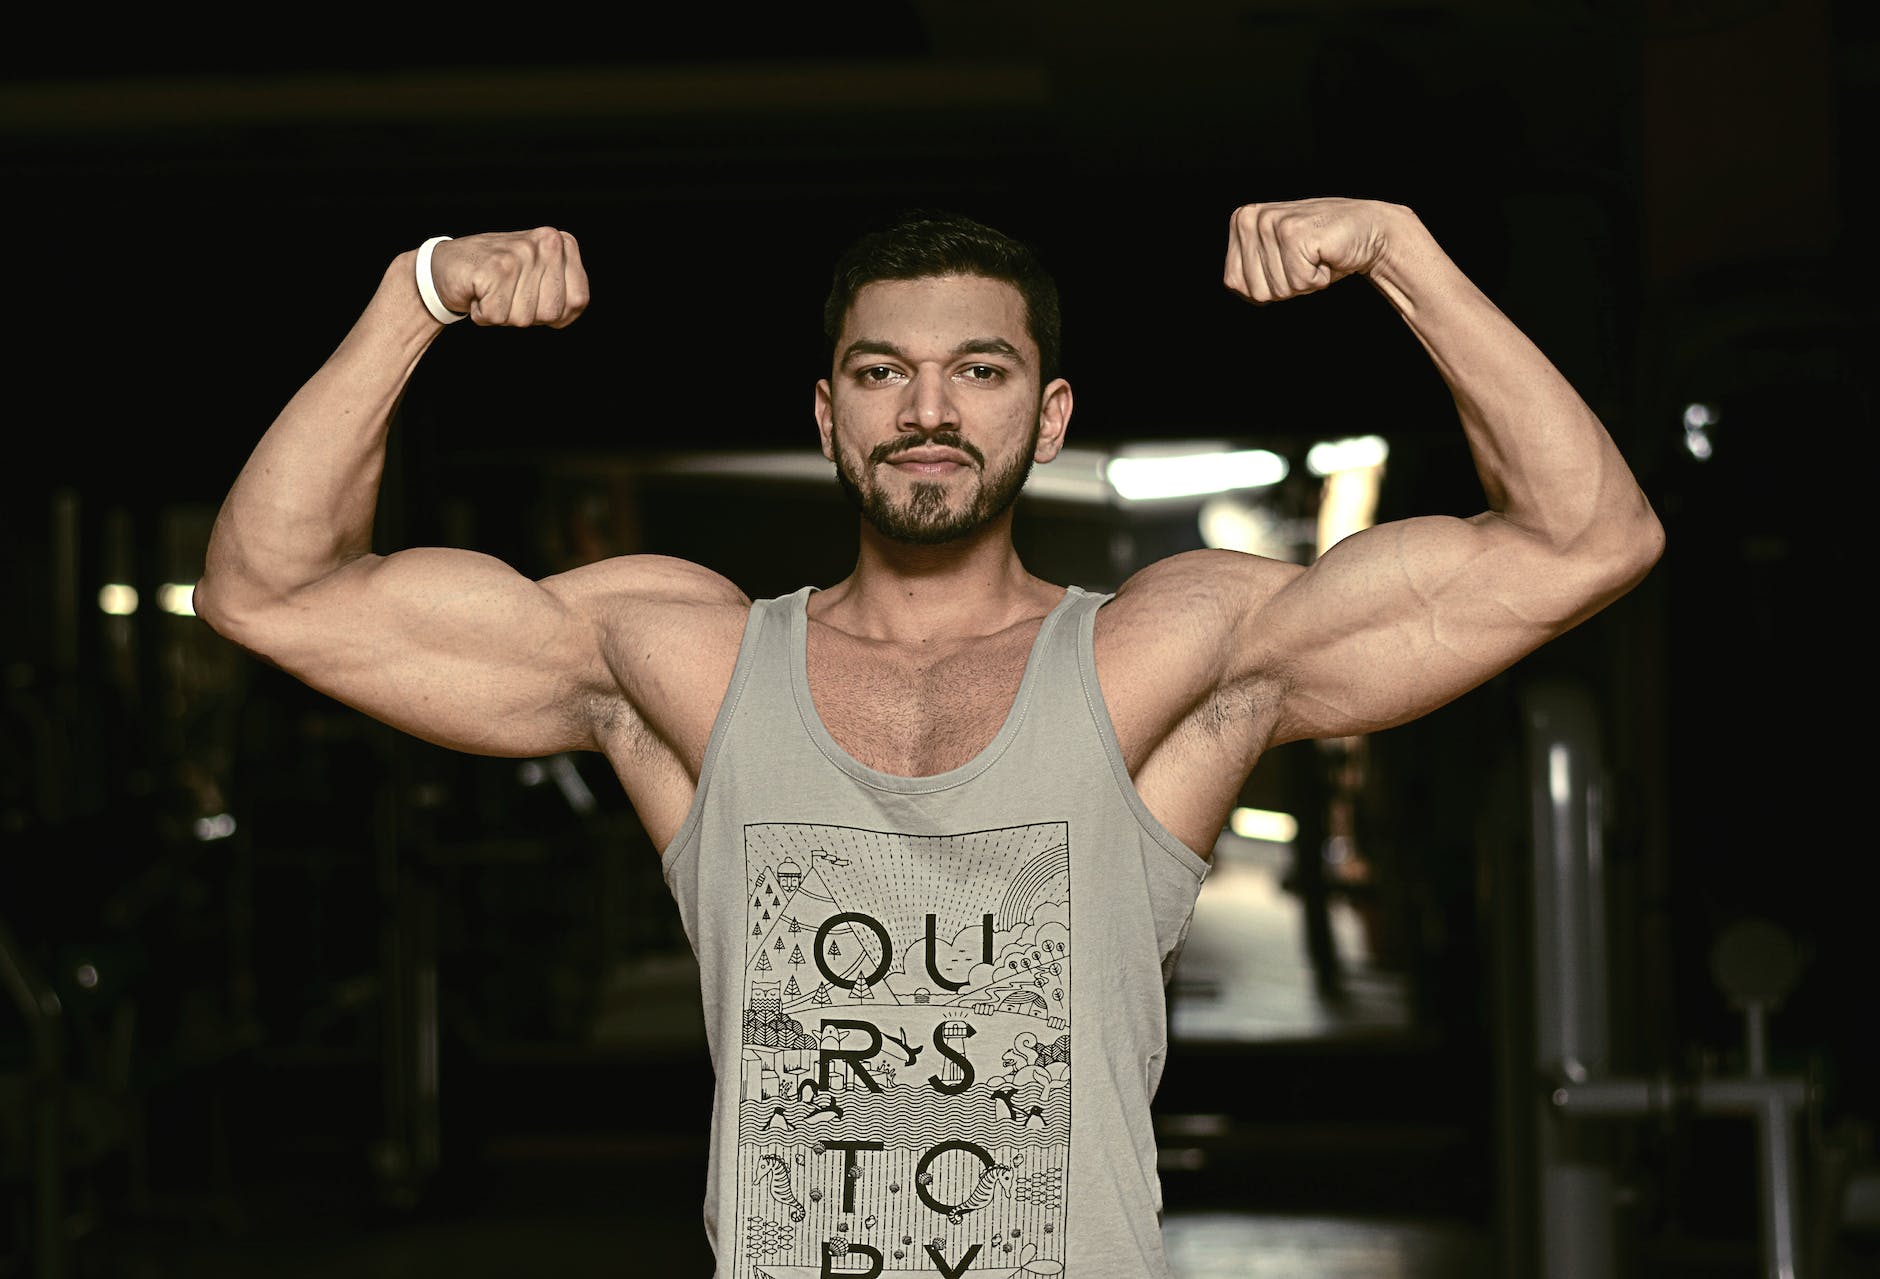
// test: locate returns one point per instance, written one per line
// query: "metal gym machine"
(1568, 1224)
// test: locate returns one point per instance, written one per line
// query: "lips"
(926, 456)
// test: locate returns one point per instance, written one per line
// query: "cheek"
(842, 448)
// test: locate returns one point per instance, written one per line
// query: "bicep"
(451, 646)
(1400, 619)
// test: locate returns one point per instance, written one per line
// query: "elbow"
(228, 609)
(1644, 542)
(205, 600)
(213, 606)
(1608, 556)
(1652, 547)
(1629, 550)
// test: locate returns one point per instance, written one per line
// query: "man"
(936, 831)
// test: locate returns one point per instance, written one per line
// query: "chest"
(914, 711)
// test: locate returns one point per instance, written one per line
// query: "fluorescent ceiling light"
(1145, 479)
(1081, 475)
(1074, 475)
(1264, 823)
(177, 598)
(1333, 456)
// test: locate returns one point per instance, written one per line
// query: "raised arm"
(1407, 615)
(1401, 618)
(449, 645)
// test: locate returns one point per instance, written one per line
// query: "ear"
(826, 417)
(1054, 418)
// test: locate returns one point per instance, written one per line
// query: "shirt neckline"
(833, 750)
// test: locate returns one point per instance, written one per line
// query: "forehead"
(946, 309)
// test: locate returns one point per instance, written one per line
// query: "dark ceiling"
(200, 222)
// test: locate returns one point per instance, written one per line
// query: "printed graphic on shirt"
(905, 1081)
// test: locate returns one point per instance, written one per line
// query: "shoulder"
(1180, 624)
(667, 630)
(1171, 650)
(645, 579)
(1197, 597)
(630, 596)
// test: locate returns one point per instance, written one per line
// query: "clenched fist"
(1278, 251)
(512, 278)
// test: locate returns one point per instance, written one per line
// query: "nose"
(929, 404)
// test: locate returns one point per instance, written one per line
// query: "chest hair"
(920, 709)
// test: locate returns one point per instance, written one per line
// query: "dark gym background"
(248, 901)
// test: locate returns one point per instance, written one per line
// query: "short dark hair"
(924, 243)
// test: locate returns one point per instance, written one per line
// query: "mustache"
(889, 449)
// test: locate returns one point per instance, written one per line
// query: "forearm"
(1546, 463)
(303, 505)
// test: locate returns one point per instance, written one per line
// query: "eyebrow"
(972, 346)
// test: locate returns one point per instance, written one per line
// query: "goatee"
(923, 518)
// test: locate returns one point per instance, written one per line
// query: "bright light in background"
(1347, 455)
(1264, 823)
(1228, 524)
(1075, 475)
(1145, 479)
(1353, 470)
(220, 826)
(1094, 477)
(117, 599)
(1559, 776)
(1347, 503)
(1698, 419)
(177, 598)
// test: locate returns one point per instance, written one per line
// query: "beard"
(925, 517)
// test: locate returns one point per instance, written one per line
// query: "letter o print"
(986, 1163)
(874, 926)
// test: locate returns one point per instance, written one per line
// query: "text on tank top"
(934, 1004)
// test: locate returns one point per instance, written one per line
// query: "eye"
(876, 373)
(981, 373)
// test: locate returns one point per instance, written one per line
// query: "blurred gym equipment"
(1567, 1230)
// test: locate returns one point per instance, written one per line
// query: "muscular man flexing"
(940, 784)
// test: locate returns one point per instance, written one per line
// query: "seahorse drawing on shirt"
(907, 1035)
(772, 1172)
(997, 1177)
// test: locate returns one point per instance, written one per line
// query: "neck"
(900, 592)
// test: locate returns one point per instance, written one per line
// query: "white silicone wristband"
(427, 290)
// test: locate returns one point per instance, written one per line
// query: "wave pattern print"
(904, 1077)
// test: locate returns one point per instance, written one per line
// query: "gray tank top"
(935, 1005)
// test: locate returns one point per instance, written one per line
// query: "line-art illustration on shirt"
(905, 1073)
